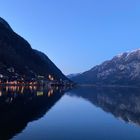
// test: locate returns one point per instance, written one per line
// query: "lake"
(84, 113)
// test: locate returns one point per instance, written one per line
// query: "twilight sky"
(76, 34)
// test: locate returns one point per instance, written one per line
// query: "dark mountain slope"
(18, 58)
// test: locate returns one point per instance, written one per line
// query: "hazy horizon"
(76, 34)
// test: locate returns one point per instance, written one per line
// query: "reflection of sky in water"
(79, 114)
(74, 117)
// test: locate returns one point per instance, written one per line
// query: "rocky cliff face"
(18, 59)
(123, 69)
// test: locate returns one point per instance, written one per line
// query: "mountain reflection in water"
(20, 105)
(123, 103)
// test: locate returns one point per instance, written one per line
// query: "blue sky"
(76, 34)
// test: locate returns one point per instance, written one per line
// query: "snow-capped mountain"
(123, 69)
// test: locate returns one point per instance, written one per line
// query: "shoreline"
(111, 86)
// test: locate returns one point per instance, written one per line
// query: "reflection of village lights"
(40, 93)
(34, 87)
(14, 89)
(22, 89)
(11, 99)
(31, 88)
(49, 93)
(7, 88)
(17, 88)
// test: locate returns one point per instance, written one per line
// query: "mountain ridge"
(18, 59)
(123, 69)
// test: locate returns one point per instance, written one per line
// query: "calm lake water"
(77, 114)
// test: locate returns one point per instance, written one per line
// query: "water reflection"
(123, 103)
(20, 105)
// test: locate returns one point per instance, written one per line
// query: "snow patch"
(128, 53)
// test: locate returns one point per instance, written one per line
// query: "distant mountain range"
(73, 75)
(19, 60)
(123, 69)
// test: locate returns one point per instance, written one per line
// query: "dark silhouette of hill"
(19, 59)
